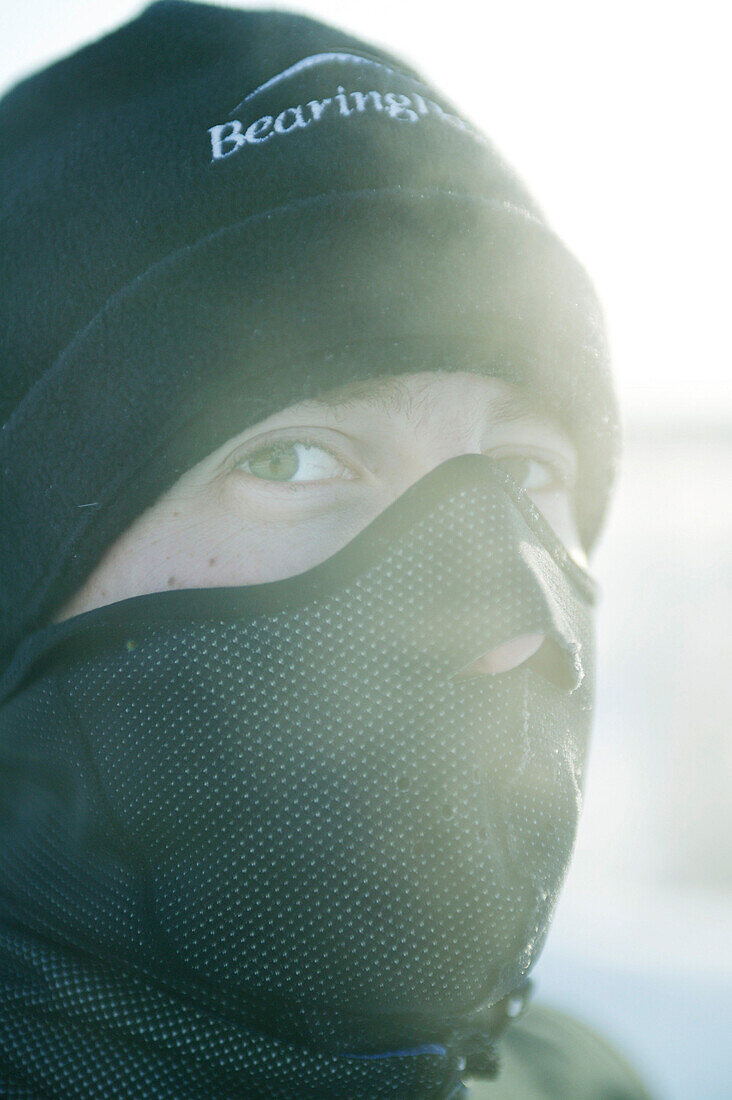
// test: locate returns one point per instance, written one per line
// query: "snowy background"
(616, 115)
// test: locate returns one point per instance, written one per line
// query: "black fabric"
(201, 224)
(266, 841)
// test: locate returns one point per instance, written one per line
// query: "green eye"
(275, 463)
(295, 461)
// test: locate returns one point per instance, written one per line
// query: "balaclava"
(263, 841)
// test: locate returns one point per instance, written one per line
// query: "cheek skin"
(218, 539)
(212, 539)
(168, 546)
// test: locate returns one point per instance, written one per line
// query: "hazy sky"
(616, 115)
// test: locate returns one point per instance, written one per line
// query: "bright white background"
(617, 116)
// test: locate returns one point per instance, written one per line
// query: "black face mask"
(266, 837)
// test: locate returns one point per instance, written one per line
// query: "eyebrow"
(389, 394)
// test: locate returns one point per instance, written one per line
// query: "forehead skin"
(219, 526)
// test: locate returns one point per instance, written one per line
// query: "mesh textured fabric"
(263, 841)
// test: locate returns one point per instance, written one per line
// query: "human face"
(290, 491)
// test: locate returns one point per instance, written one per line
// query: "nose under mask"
(289, 799)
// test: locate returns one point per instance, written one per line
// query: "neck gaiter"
(264, 841)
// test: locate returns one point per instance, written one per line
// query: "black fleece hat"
(212, 213)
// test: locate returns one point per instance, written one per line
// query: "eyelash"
(560, 477)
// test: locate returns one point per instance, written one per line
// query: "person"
(308, 432)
